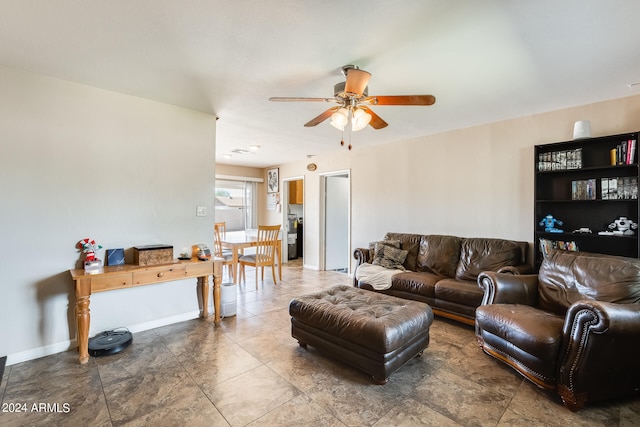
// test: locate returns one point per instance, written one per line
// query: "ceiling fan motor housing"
(338, 90)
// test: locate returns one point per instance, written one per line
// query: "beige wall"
(468, 182)
(79, 162)
(238, 171)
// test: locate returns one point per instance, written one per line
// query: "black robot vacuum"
(110, 342)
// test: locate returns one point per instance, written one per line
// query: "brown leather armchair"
(574, 328)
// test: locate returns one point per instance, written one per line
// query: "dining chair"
(221, 226)
(226, 256)
(265, 250)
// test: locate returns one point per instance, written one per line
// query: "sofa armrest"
(600, 347)
(361, 255)
(508, 288)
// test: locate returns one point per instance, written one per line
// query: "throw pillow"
(389, 257)
(372, 247)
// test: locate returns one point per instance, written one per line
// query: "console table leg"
(83, 320)
(203, 286)
(217, 281)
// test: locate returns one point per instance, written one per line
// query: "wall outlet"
(201, 211)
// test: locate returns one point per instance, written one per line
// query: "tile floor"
(250, 372)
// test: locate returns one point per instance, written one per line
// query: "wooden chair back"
(267, 240)
(221, 226)
(217, 242)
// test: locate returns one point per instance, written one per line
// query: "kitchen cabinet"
(296, 192)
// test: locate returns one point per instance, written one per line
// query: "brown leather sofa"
(442, 270)
(574, 328)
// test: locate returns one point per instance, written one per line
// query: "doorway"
(293, 219)
(336, 220)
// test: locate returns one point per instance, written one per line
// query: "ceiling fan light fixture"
(340, 118)
(360, 119)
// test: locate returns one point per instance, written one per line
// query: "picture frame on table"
(273, 180)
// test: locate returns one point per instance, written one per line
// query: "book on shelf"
(547, 246)
(619, 188)
(624, 192)
(591, 189)
(631, 151)
(613, 188)
(624, 153)
(583, 189)
(604, 188)
(621, 153)
(560, 160)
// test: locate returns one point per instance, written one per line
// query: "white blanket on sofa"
(377, 276)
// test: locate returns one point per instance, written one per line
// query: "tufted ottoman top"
(375, 321)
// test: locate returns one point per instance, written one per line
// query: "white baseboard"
(164, 321)
(39, 352)
(48, 350)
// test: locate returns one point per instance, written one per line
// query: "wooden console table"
(126, 276)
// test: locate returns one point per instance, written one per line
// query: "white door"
(337, 222)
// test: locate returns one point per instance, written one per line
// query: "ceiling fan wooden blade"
(376, 121)
(357, 81)
(321, 118)
(402, 100)
(295, 99)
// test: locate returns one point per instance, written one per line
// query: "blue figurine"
(549, 223)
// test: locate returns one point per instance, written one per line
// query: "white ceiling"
(485, 61)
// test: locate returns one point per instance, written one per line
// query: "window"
(236, 204)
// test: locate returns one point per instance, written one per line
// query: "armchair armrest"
(516, 269)
(599, 352)
(602, 317)
(361, 255)
(508, 288)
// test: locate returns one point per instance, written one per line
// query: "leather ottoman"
(374, 332)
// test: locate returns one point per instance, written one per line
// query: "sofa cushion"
(439, 254)
(484, 254)
(531, 338)
(419, 283)
(389, 257)
(463, 292)
(568, 277)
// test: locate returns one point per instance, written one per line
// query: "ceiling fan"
(353, 111)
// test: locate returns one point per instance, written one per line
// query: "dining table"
(238, 241)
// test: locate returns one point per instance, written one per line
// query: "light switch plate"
(201, 211)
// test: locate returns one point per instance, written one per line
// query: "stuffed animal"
(89, 248)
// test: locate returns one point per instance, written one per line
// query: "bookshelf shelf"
(589, 169)
(587, 183)
(574, 236)
(588, 201)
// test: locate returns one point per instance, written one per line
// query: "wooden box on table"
(152, 254)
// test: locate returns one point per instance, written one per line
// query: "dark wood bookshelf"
(568, 185)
